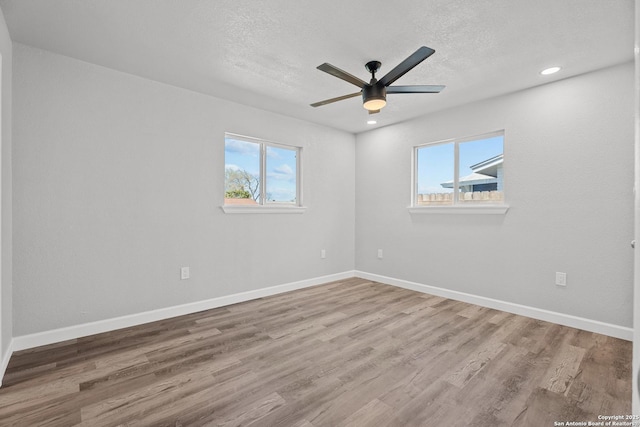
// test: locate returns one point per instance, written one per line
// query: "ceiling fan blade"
(337, 72)
(402, 68)
(339, 98)
(415, 89)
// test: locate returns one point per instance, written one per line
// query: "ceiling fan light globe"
(374, 104)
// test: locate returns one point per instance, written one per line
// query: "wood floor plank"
(545, 407)
(347, 353)
(564, 370)
(471, 366)
(373, 413)
(138, 402)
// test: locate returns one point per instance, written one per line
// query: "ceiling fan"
(374, 93)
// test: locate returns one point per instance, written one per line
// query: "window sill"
(457, 210)
(263, 209)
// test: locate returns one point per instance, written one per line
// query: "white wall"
(6, 317)
(119, 181)
(568, 179)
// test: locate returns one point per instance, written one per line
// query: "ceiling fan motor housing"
(374, 96)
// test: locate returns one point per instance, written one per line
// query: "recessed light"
(550, 70)
(371, 122)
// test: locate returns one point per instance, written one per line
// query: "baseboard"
(5, 360)
(77, 331)
(523, 310)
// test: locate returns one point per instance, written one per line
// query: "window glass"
(480, 178)
(281, 175)
(467, 171)
(435, 165)
(259, 172)
(242, 170)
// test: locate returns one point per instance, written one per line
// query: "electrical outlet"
(323, 253)
(561, 279)
(379, 253)
(184, 273)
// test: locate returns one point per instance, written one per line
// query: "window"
(460, 172)
(260, 173)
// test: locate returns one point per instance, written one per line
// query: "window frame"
(263, 205)
(455, 207)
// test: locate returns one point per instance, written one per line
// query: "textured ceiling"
(265, 53)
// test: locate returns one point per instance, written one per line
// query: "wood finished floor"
(348, 353)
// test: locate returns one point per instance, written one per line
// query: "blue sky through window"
(281, 166)
(242, 155)
(281, 174)
(435, 163)
(435, 166)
